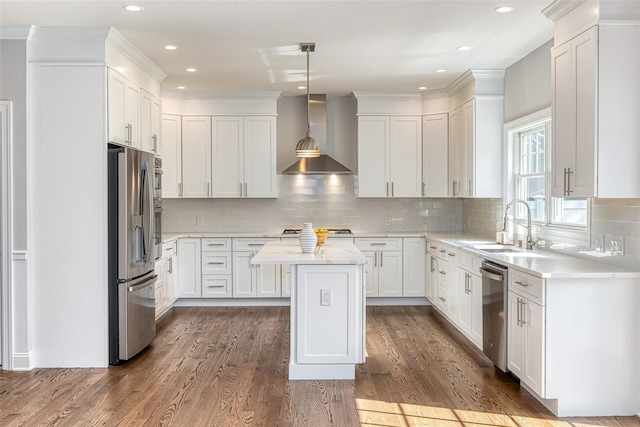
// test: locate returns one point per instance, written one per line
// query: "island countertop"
(336, 252)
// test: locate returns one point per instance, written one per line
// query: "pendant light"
(308, 146)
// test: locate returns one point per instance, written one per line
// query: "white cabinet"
(431, 272)
(124, 110)
(526, 329)
(443, 275)
(171, 152)
(150, 123)
(189, 268)
(595, 112)
(384, 266)
(244, 156)
(216, 268)
(253, 280)
(470, 296)
(475, 148)
(435, 152)
(196, 156)
(413, 272)
(389, 156)
(166, 265)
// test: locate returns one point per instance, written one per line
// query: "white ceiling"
(388, 46)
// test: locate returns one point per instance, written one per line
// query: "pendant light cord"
(308, 123)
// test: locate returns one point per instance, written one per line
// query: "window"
(528, 157)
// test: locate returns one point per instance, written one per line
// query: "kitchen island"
(327, 307)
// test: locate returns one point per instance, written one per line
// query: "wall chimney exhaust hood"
(323, 165)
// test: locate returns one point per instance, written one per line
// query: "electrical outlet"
(388, 220)
(199, 221)
(617, 246)
(597, 242)
(325, 297)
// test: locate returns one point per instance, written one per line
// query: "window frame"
(547, 229)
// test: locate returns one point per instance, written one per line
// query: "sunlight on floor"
(388, 414)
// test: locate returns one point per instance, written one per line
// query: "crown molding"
(116, 41)
(16, 32)
(560, 8)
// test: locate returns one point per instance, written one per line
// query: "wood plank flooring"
(228, 367)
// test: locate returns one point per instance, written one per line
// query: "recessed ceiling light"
(191, 70)
(133, 8)
(463, 48)
(170, 47)
(422, 88)
(503, 9)
(440, 70)
(181, 87)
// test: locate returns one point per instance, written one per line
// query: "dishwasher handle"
(491, 275)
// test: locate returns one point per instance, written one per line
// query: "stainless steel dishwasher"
(494, 313)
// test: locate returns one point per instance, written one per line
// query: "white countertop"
(289, 252)
(167, 237)
(541, 263)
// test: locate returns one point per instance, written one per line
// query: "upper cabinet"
(223, 155)
(389, 146)
(475, 135)
(435, 152)
(171, 152)
(150, 116)
(244, 157)
(124, 110)
(595, 111)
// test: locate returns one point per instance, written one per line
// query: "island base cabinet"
(327, 321)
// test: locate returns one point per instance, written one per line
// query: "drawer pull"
(255, 244)
(168, 249)
(451, 254)
(216, 244)
(442, 272)
(215, 263)
(442, 299)
(443, 250)
(378, 244)
(433, 247)
(215, 286)
(518, 282)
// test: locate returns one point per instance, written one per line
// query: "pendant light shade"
(308, 146)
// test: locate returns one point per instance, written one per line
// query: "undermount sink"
(498, 250)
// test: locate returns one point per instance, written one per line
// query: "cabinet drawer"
(216, 286)
(216, 263)
(250, 245)
(527, 285)
(469, 262)
(169, 249)
(215, 244)
(384, 244)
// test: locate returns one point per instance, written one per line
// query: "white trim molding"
(6, 138)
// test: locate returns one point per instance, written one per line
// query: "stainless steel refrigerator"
(131, 252)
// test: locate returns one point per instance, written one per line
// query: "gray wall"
(13, 87)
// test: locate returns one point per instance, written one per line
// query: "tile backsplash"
(326, 201)
(330, 201)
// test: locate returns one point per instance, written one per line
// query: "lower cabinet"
(526, 330)
(189, 267)
(253, 280)
(216, 268)
(384, 266)
(166, 265)
(413, 274)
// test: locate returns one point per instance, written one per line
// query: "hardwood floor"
(228, 367)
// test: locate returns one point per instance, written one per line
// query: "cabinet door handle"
(455, 185)
(387, 189)
(521, 283)
(466, 283)
(442, 272)
(518, 311)
(208, 189)
(381, 260)
(524, 312)
(154, 138)
(171, 265)
(392, 191)
(432, 259)
(246, 193)
(569, 190)
(375, 259)
(423, 189)
(180, 189)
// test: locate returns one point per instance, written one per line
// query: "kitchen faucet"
(530, 242)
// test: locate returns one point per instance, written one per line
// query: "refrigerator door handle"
(149, 216)
(152, 280)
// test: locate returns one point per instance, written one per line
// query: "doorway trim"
(6, 199)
